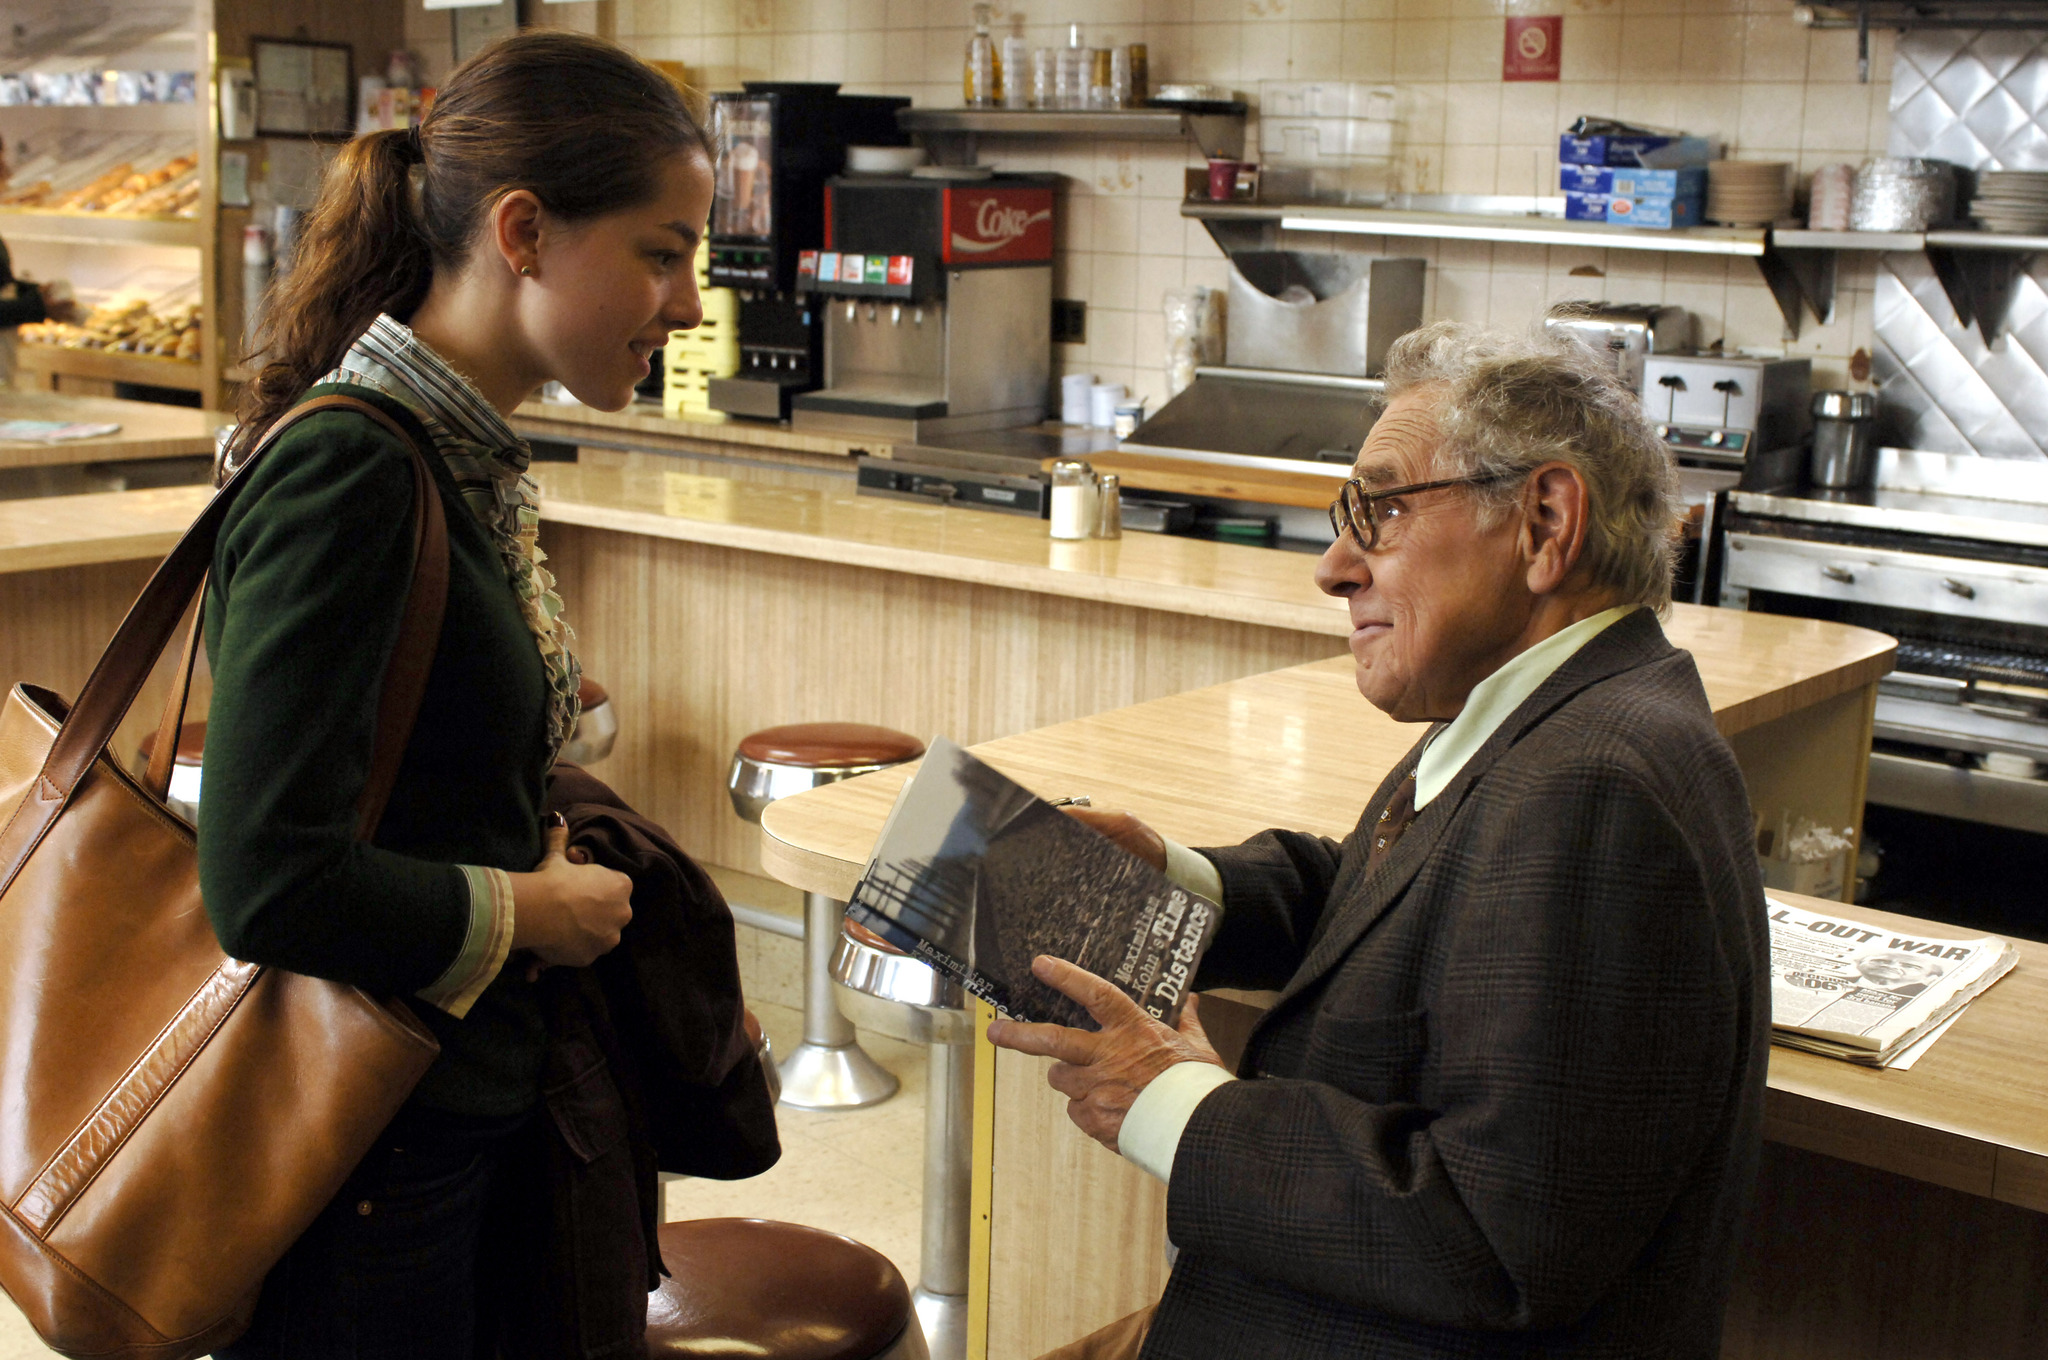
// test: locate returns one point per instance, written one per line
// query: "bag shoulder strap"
(110, 691)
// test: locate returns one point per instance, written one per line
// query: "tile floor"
(854, 1172)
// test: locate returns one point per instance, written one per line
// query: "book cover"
(976, 875)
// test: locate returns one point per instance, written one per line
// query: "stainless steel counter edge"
(1896, 517)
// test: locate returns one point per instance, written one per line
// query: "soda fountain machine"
(937, 302)
(778, 143)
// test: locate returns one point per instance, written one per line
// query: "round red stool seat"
(830, 746)
(778, 1291)
(590, 694)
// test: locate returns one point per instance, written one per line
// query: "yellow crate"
(720, 304)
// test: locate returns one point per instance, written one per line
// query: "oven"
(1950, 556)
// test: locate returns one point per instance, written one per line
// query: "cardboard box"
(1655, 212)
(1690, 182)
(1646, 151)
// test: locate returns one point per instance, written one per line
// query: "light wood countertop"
(1297, 748)
(148, 429)
(649, 426)
(1971, 1114)
(42, 532)
(1146, 571)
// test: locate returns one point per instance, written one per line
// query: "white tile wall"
(1741, 70)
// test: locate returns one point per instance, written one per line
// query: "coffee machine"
(777, 144)
(937, 302)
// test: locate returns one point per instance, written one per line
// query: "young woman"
(541, 224)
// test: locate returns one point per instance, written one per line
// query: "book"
(977, 876)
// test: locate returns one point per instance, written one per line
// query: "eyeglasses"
(1361, 513)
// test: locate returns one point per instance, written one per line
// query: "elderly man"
(1508, 1102)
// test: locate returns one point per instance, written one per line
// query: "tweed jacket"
(1509, 1102)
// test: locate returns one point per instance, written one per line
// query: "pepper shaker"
(1109, 496)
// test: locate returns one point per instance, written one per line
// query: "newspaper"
(1851, 990)
(977, 876)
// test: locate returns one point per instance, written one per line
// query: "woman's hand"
(1131, 835)
(567, 911)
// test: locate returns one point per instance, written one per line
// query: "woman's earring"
(526, 269)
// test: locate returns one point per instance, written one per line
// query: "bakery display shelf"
(79, 228)
(149, 370)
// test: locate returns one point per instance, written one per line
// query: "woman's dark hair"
(580, 123)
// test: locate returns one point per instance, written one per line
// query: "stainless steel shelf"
(1790, 239)
(1526, 229)
(1986, 240)
(1217, 127)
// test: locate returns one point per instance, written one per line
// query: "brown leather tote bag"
(171, 1120)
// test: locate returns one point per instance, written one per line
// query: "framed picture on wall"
(304, 89)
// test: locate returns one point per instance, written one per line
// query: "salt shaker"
(1109, 520)
(1074, 499)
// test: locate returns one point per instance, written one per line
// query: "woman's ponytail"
(360, 252)
(582, 124)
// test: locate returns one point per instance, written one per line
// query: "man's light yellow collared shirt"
(1152, 1130)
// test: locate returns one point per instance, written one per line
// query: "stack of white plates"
(2014, 202)
(1748, 193)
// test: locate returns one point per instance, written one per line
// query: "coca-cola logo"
(996, 224)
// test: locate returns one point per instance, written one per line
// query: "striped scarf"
(488, 463)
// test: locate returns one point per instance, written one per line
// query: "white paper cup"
(1074, 390)
(1103, 399)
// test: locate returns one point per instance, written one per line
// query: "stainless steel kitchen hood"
(1258, 417)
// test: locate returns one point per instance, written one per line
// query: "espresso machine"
(777, 144)
(936, 296)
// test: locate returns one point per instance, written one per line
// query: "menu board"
(744, 132)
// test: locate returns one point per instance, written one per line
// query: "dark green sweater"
(309, 582)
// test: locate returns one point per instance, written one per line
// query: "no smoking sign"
(1534, 45)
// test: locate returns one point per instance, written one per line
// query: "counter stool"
(185, 780)
(777, 1291)
(828, 1070)
(597, 726)
(868, 963)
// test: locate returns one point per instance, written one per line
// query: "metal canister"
(1844, 456)
(1109, 508)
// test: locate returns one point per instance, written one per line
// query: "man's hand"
(1131, 836)
(1102, 1073)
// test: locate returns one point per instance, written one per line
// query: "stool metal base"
(838, 1077)
(944, 1319)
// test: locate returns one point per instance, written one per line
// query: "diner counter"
(1869, 1179)
(714, 605)
(44, 532)
(646, 426)
(148, 429)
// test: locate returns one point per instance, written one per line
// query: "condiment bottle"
(982, 81)
(1076, 506)
(1109, 509)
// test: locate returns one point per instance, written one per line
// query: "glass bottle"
(982, 81)
(1014, 68)
(1074, 71)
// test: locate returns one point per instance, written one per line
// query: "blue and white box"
(1654, 211)
(1690, 182)
(1639, 150)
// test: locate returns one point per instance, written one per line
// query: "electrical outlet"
(1069, 321)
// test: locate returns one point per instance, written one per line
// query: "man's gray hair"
(1507, 404)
